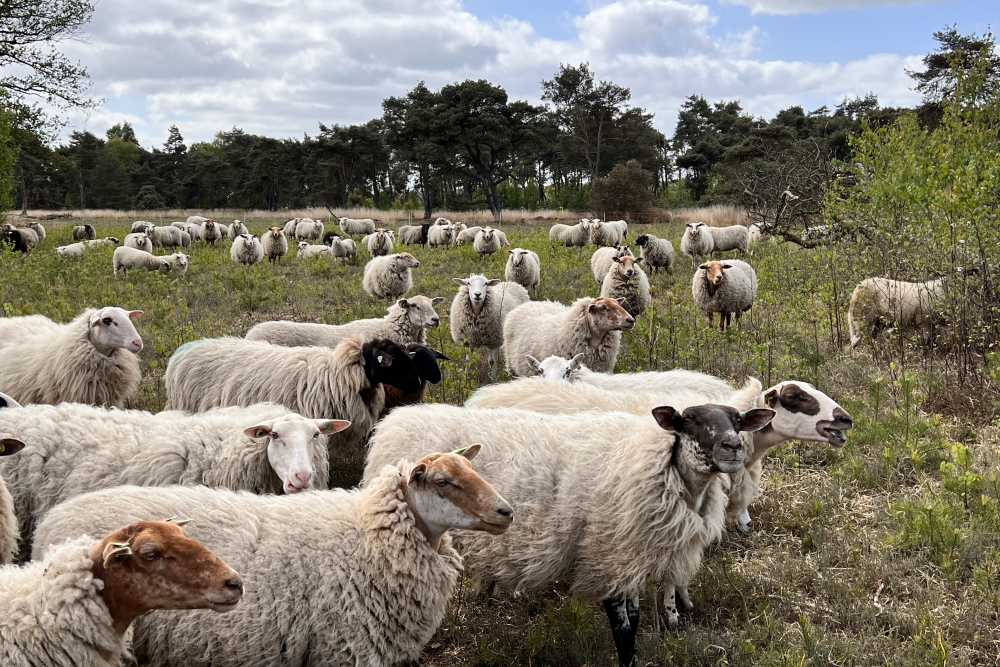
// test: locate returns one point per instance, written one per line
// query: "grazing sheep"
(72, 250)
(247, 250)
(577, 235)
(8, 519)
(414, 234)
(126, 258)
(354, 226)
(211, 232)
(487, 242)
(406, 322)
(425, 360)
(544, 328)
(479, 311)
(468, 235)
(236, 229)
(20, 240)
(140, 226)
(77, 448)
(165, 237)
(309, 229)
(275, 244)
(627, 284)
(601, 260)
(658, 253)
(441, 235)
(343, 248)
(318, 382)
(90, 360)
(197, 220)
(38, 229)
(606, 500)
(502, 237)
(697, 240)
(605, 233)
(110, 241)
(878, 304)
(726, 288)
(524, 268)
(389, 276)
(339, 578)
(178, 261)
(734, 237)
(380, 243)
(84, 232)
(75, 604)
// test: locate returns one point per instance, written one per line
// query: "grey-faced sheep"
(406, 322)
(318, 382)
(342, 578)
(726, 288)
(543, 328)
(84, 232)
(734, 237)
(211, 232)
(697, 240)
(524, 268)
(414, 234)
(601, 261)
(658, 253)
(479, 310)
(309, 229)
(275, 244)
(468, 235)
(441, 235)
(425, 360)
(343, 248)
(355, 226)
(90, 360)
(380, 243)
(605, 233)
(236, 229)
(880, 303)
(389, 276)
(606, 501)
(627, 284)
(307, 251)
(71, 250)
(246, 250)
(487, 242)
(109, 241)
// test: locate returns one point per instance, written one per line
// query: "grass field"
(885, 552)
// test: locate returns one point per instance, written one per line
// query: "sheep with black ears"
(246, 250)
(658, 253)
(339, 578)
(414, 234)
(90, 360)
(84, 232)
(880, 303)
(479, 311)
(734, 237)
(71, 250)
(524, 268)
(389, 276)
(627, 284)
(236, 229)
(727, 287)
(425, 360)
(697, 240)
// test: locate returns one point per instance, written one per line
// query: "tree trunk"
(24, 190)
(375, 188)
(79, 181)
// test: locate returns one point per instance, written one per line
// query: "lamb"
(880, 303)
(724, 287)
(77, 448)
(441, 235)
(414, 234)
(110, 241)
(487, 242)
(8, 519)
(84, 232)
(343, 248)
(627, 284)
(353, 226)
(126, 258)
(600, 261)
(479, 311)
(75, 605)
(247, 250)
(90, 360)
(734, 237)
(605, 233)
(38, 229)
(275, 244)
(543, 328)
(211, 232)
(309, 229)
(697, 240)
(378, 576)
(524, 268)
(389, 276)
(236, 229)
(606, 500)
(425, 360)
(658, 253)
(166, 237)
(317, 382)
(307, 251)
(405, 322)
(380, 243)
(72, 250)
(468, 235)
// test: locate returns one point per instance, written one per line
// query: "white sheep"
(126, 258)
(726, 288)
(620, 225)
(309, 229)
(460, 227)
(83, 232)
(601, 261)
(697, 240)
(290, 226)
(734, 237)
(487, 242)
(389, 276)
(406, 322)
(577, 235)
(197, 220)
(339, 578)
(524, 268)
(441, 221)
(380, 243)
(658, 253)
(165, 237)
(878, 304)
(90, 360)
(236, 229)
(38, 229)
(9, 532)
(71, 250)
(479, 311)
(468, 235)
(275, 244)
(109, 241)
(138, 241)
(555, 368)
(543, 328)
(343, 248)
(414, 234)
(211, 231)
(605, 233)
(307, 251)
(246, 250)
(355, 226)
(140, 226)
(627, 283)
(441, 235)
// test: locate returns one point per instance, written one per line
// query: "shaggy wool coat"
(485, 329)
(384, 280)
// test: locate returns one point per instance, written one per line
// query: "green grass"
(885, 552)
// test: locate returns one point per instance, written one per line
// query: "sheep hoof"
(743, 521)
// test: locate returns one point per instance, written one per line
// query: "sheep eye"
(259, 433)
(151, 555)
(440, 481)
(107, 321)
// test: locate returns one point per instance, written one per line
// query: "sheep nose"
(235, 583)
(505, 510)
(731, 441)
(304, 478)
(842, 416)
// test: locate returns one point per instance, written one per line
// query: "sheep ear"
(436, 300)
(727, 266)
(461, 281)
(616, 259)
(494, 282)
(418, 472)
(331, 426)
(116, 549)
(468, 452)
(510, 252)
(668, 418)
(703, 267)
(402, 303)
(756, 419)
(620, 301)
(10, 446)
(259, 431)
(532, 362)
(441, 356)
(638, 259)
(177, 522)
(771, 397)
(576, 361)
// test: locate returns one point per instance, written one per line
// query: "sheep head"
(715, 274)
(605, 314)
(709, 435)
(420, 310)
(293, 443)
(111, 328)
(478, 286)
(388, 362)
(803, 412)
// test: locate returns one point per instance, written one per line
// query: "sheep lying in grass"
(379, 243)
(390, 276)
(246, 250)
(90, 360)
(601, 260)
(74, 606)
(126, 258)
(734, 237)
(878, 304)
(627, 284)
(72, 250)
(726, 288)
(275, 244)
(524, 268)
(306, 251)
(479, 311)
(543, 328)
(84, 232)
(339, 578)
(355, 226)
(697, 240)
(658, 253)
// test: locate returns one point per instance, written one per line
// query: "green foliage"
(8, 158)
(148, 199)
(625, 189)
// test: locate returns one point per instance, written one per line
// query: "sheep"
(307, 251)
(236, 229)
(543, 328)
(414, 234)
(290, 226)
(178, 261)
(380, 243)
(8, 519)
(658, 253)
(627, 284)
(441, 235)
(343, 248)
(20, 240)
(524, 268)
(72, 250)
(479, 311)
(318, 382)
(697, 240)
(76, 448)
(185, 240)
(196, 220)
(606, 500)
(878, 304)
(405, 322)
(166, 237)
(224, 229)
(110, 241)
(389, 276)
(724, 287)
(605, 233)
(140, 226)
(353, 226)
(600, 261)
(555, 368)
(441, 221)
(734, 237)
(38, 229)
(425, 360)
(309, 229)
(246, 250)
(339, 578)
(620, 225)
(275, 244)
(138, 241)
(84, 232)
(90, 360)
(126, 258)
(487, 242)
(502, 237)
(193, 231)
(468, 235)
(74, 606)
(211, 232)
(756, 233)
(577, 235)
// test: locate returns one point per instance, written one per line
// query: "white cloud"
(807, 6)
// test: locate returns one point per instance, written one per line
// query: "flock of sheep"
(570, 473)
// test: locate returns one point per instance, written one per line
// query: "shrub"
(148, 199)
(625, 189)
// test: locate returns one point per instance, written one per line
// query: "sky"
(281, 67)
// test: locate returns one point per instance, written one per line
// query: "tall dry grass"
(717, 215)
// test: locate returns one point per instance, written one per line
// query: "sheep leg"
(711, 319)
(617, 609)
(670, 605)
(685, 600)
(743, 521)
(494, 362)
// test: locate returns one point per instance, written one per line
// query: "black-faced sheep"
(658, 253)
